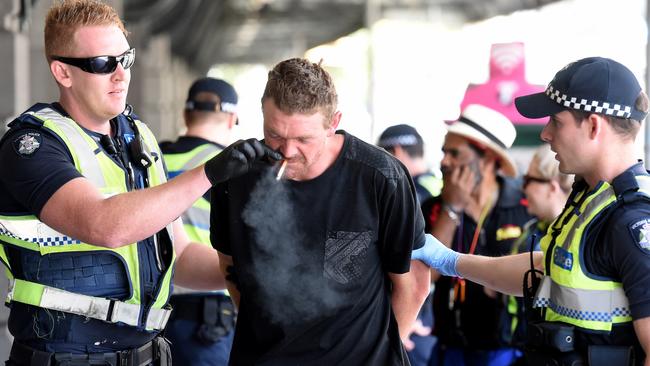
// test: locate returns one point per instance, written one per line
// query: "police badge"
(641, 232)
(27, 144)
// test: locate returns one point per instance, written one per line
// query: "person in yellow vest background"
(593, 301)
(89, 228)
(546, 189)
(201, 327)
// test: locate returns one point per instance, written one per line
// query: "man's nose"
(288, 149)
(545, 135)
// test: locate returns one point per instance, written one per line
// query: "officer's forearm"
(504, 274)
(144, 212)
(79, 210)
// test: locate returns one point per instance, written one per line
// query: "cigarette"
(281, 171)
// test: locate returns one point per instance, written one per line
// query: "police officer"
(201, 327)
(88, 227)
(407, 145)
(594, 293)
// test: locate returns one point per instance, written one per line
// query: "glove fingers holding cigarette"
(238, 158)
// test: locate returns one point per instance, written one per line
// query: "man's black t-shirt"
(312, 259)
(479, 325)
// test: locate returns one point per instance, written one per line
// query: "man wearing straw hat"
(480, 211)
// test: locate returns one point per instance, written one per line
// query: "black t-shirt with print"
(481, 324)
(312, 259)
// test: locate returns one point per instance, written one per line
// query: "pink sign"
(507, 81)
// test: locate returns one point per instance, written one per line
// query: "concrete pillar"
(159, 84)
(14, 98)
(14, 73)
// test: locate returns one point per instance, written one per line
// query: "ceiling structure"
(208, 32)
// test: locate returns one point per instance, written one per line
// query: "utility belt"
(214, 314)
(553, 344)
(154, 353)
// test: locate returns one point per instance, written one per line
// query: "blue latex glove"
(437, 256)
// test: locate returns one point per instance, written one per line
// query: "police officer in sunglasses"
(90, 232)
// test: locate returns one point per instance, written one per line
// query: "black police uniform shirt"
(481, 317)
(620, 250)
(30, 177)
(311, 259)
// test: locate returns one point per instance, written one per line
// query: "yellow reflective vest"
(569, 294)
(196, 219)
(29, 233)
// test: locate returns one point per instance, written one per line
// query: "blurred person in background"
(406, 144)
(202, 324)
(547, 190)
(480, 211)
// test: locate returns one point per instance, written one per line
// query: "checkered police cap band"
(595, 106)
(403, 140)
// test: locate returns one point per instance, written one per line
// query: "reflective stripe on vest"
(89, 306)
(30, 233)
(569, 294)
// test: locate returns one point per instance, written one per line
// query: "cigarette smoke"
(289, 288)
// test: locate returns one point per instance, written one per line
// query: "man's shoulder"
(370, 156)
(186, 144)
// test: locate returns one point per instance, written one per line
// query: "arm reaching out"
(437, 256)
(504, 274)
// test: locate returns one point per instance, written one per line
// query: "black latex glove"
(237, 159)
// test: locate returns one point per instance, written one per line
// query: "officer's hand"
(437, 256)
(237, 159)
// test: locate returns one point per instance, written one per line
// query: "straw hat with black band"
(490, 129)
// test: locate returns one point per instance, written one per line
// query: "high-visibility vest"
(569, 294)
(29, 233)
(431, 183)
(196, 219)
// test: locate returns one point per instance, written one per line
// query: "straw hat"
(490, 129)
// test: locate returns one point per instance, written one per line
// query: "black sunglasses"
(528, 179)
(100, 64)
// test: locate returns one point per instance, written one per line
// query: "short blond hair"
(549, 168)
(300, 86)
(65, 17)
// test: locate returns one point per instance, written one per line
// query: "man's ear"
(595, 124)
(232, 120)
(334, 123)
(61, 73)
